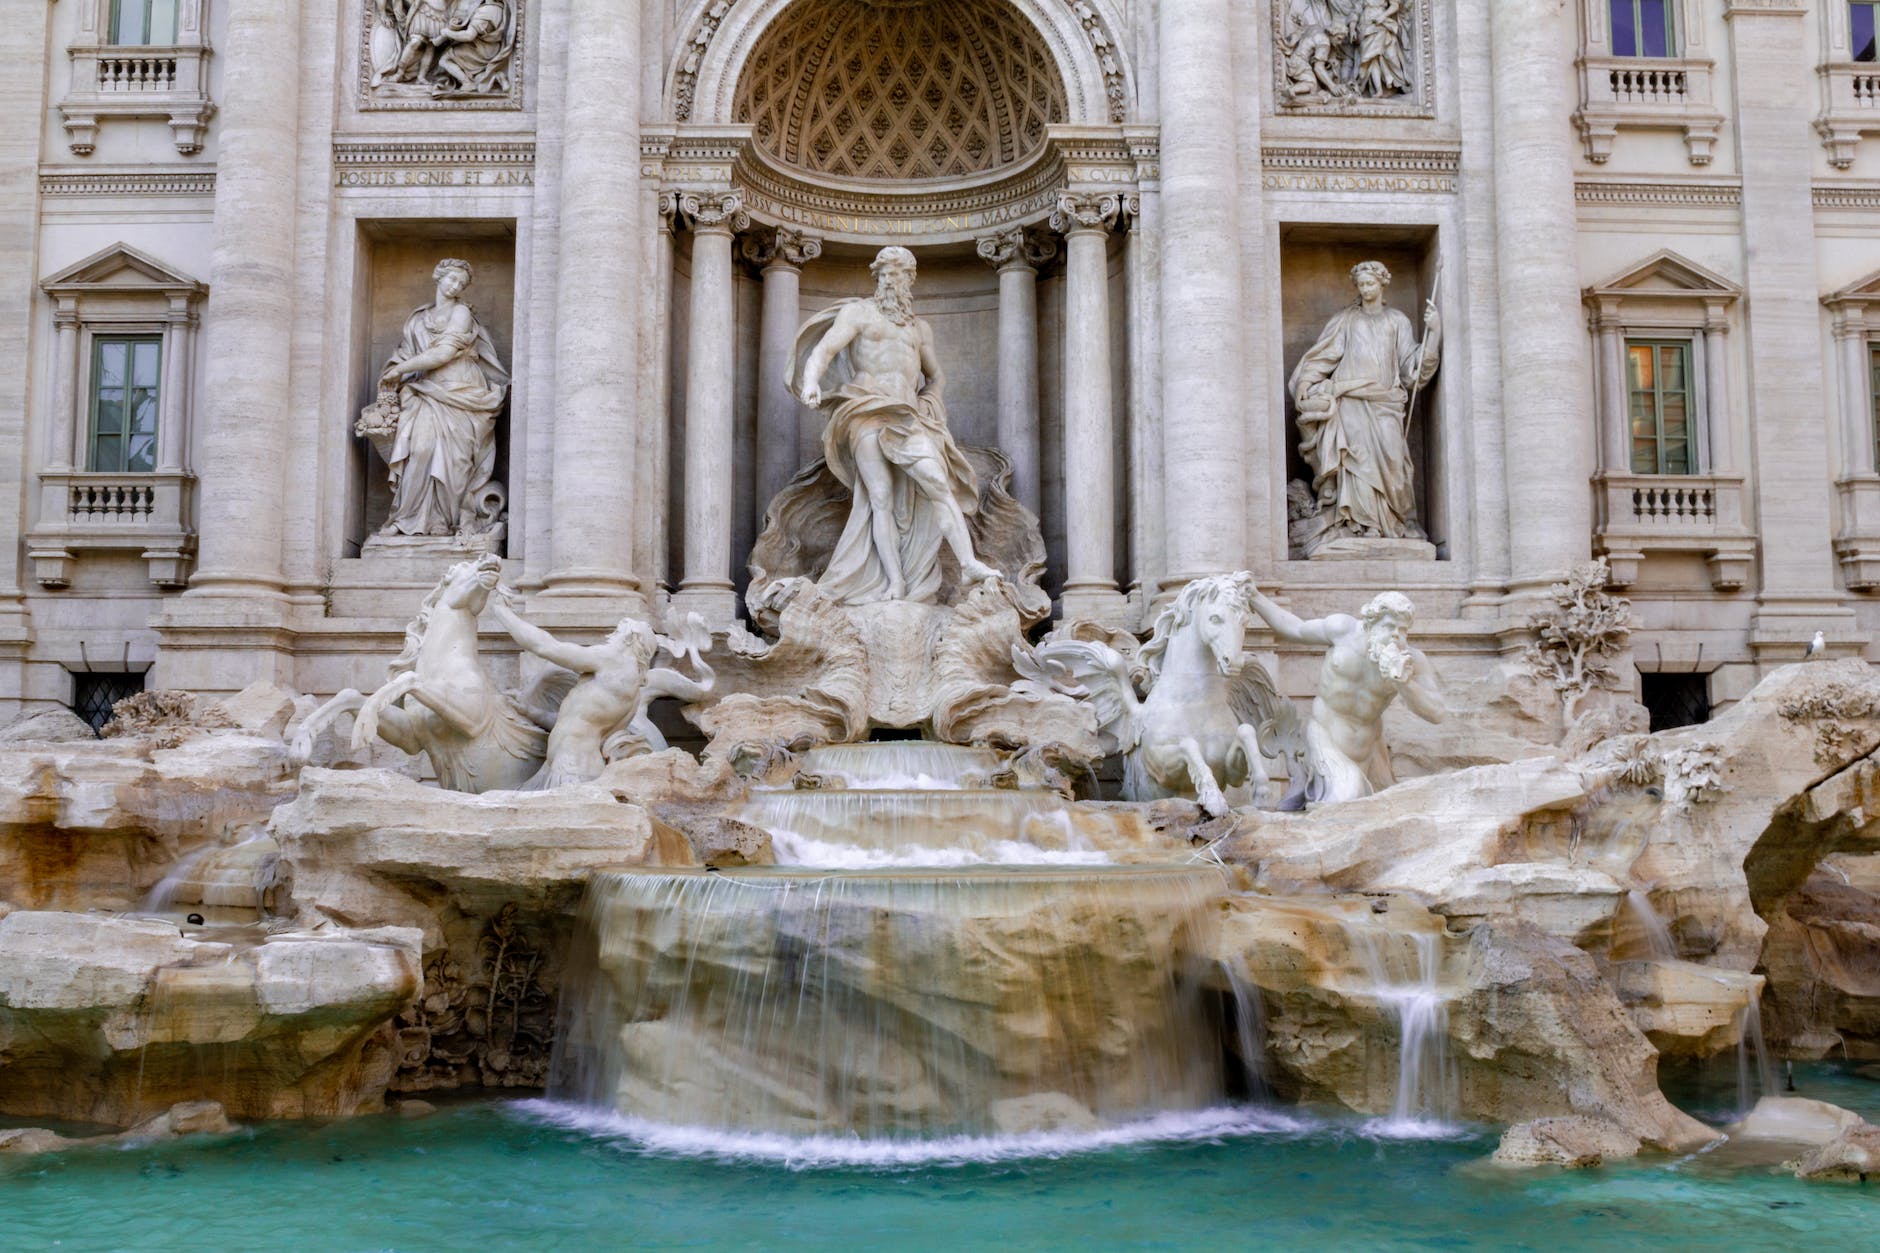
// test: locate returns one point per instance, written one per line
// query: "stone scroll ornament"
(442, 49)
(1344, 50)
(434, 420)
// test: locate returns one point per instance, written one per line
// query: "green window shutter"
(1661, 406)
(126, 374)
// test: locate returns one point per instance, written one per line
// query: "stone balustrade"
(1647, 93)
(171, 83)
(1851, 108)
(85, 511)
(1641, 514)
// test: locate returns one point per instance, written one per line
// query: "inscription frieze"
(430, 166)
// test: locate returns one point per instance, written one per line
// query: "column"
(779, 254)
(1614, 428)
(248, 405)
(709, 427)
(62, 421)
(1857, 439)
(1548, 450)
(1717, 390)
(1773, 85)
(598, 313)
(1089, 411)
(1204, 441)
(1145, 394)
(1016, 254)
(178, 343)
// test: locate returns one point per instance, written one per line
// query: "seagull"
(1816, 646)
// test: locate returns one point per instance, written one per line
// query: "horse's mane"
(416, 628)
(1181, 611)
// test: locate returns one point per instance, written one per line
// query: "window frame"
(1873, 48)
(100, 340)
(150, 11)
(1673, 47)
(1686, 348)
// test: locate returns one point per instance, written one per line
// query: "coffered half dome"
(900, 90)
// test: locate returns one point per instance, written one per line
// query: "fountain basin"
(902, 1005)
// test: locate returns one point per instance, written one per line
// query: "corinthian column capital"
(713, 211)
(1018, 246)
(1085, 211)
(779, 245)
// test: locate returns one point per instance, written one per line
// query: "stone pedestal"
(1355, 548)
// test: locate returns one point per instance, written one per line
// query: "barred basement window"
(125, 373)
(1675, 700)
(143, 23)
(1644, 28)
(1659, 388)
(94, 695)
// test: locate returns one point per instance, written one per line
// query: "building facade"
(1650, 229)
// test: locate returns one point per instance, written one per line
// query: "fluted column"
(1204, 443)
(1722, 423)
(62, 421)
(597, 312)
(1016, 254)
(249, 409)
(1089, 410)
(1857, 433)
(178, 348)
(1546, 396)
(707, 588)
(779, 254)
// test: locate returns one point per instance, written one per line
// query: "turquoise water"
(488, 1175)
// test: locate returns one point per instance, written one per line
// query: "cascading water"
(1755, 1075)
(1426, 1079)
(1659, 944)
(901, 1005)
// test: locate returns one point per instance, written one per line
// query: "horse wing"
(1092, 672)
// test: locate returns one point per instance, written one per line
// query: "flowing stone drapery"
(247, 401)
(1545, 393)
(597, 303)
(1016, 254)
(707, 589)
(1089, 438)
(780, 254)
(1204, 443)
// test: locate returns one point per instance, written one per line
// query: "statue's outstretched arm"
(1290, 626)
(1420, 694)
(573, 657)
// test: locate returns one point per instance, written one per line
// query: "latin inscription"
(435, 176)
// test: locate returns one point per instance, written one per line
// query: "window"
(1863, 20)
(1658, 385)
(94, 695)
(142, 22)
(1675, 700)
(124, 373)
(1643, 28)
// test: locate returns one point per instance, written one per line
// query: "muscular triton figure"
(887, 441)
(1368, 664)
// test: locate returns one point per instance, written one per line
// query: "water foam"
(832, 1152)
(793, 849)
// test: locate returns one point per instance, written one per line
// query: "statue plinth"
(1373, 548)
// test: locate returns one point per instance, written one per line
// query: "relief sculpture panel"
(419, 54)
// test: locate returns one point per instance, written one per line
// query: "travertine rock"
(50, 726)
(1822, 958)
(1573, 1142)
(113, 1019)
(1851, 1157)
(262, 708)
(720, 841)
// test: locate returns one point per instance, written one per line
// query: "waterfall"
(902, 765)
(1755, 1076)
(1426, 1079)
(1659, 945)
(893, 1006)
(1249, 1033)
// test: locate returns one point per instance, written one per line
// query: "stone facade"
(1131, 219)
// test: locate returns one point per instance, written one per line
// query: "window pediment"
(1666, 275)
(121, 269)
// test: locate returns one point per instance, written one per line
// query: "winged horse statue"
(1196, 727)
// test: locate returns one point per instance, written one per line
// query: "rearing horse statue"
(1196, 728)
(439, 701)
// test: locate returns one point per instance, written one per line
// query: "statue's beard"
(894, 296)
(1391, 658)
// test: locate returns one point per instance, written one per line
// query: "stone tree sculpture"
(1581, 637)
(1339, 754)
(1355, 388)
(434, 421)
(1195, 729)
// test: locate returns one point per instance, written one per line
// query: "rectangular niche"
(396, 260)
(1316, 260)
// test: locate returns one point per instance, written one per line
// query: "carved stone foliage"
(1581, 637)
(492, 1024)
(1017, 246)
(942, 89)
(779, 245)
(432, 54)
(1352, 56)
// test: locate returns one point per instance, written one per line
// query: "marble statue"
(442, 48)
(440, 701)
(911, 488)
(603, 716)
(1355, 389)
(435, 419)
(1343, 51)
(1196, 729)
(1368, 664)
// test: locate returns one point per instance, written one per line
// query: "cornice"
(64, 181)
(1638, 192)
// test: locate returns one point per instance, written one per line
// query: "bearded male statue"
(886, 440)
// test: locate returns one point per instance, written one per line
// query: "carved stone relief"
(1352, 56)
(427, 54)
